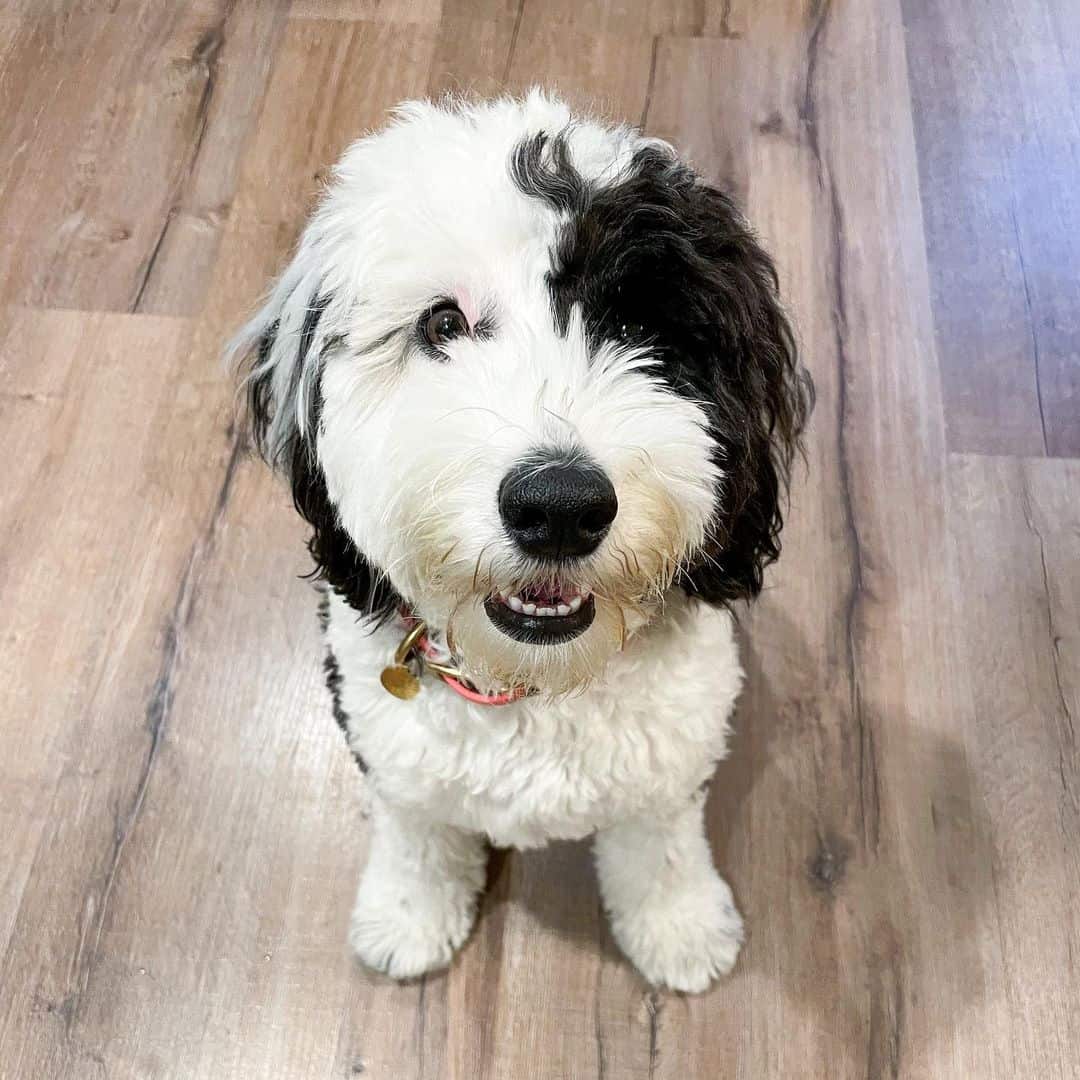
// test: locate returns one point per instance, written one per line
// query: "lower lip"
(540, 629)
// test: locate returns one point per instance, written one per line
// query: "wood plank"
(99, 540)
(1016, 526)
(332, 82)
(788, 790)
(604, 74)
(849, 727)
(632, 18)
(230, 908)
(120, 141)
(540, 989)
(238, 56)
(404, 12)
(629, 17)
(102, 840)
(471, 57)
(999, 150)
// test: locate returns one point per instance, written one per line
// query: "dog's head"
(527, 374)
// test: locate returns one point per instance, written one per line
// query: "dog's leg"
(670, 911)
(417, 897)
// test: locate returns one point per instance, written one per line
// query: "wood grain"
(1017, 529)
(180, 824)
(606, 73)
(103, 523)
(848, 696)
(120, 141)
(995, 95)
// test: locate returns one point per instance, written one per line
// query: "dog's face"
(527, 375)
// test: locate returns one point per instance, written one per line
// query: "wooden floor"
(180, 824)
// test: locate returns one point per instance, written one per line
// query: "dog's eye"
(630, 331)
(444, 323)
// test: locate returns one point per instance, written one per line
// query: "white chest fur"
(638, 740)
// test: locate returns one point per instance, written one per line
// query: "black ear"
(757, 396)
(287, 343)
(338, 561)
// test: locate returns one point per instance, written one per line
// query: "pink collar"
(418, 653)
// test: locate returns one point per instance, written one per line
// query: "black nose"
(557, 509)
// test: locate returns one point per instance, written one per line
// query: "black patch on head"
(540, 166)
(334, 680)
(338, 562)
(661, 258)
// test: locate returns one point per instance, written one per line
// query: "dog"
(536, 396)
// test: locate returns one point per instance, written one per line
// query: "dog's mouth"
(542, 615)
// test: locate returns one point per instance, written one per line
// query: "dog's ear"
(282, 351)
(757, 396)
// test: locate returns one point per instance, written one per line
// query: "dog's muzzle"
(556, 507)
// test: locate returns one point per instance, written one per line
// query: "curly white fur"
(625, 758)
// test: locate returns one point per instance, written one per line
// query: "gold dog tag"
(400, 681)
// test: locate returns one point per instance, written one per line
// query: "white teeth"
(563, 608)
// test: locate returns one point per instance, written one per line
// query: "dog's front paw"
(407, 935)
(683, 939)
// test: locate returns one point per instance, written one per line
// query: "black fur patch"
(334, 681)
(662, 258)
(337, 560)
(540, 166)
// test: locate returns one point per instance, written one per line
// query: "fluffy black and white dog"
(535, 394)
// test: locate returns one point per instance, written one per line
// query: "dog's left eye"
(444, 323)
(630, 331)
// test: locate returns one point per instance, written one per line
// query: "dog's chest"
(638, 742)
